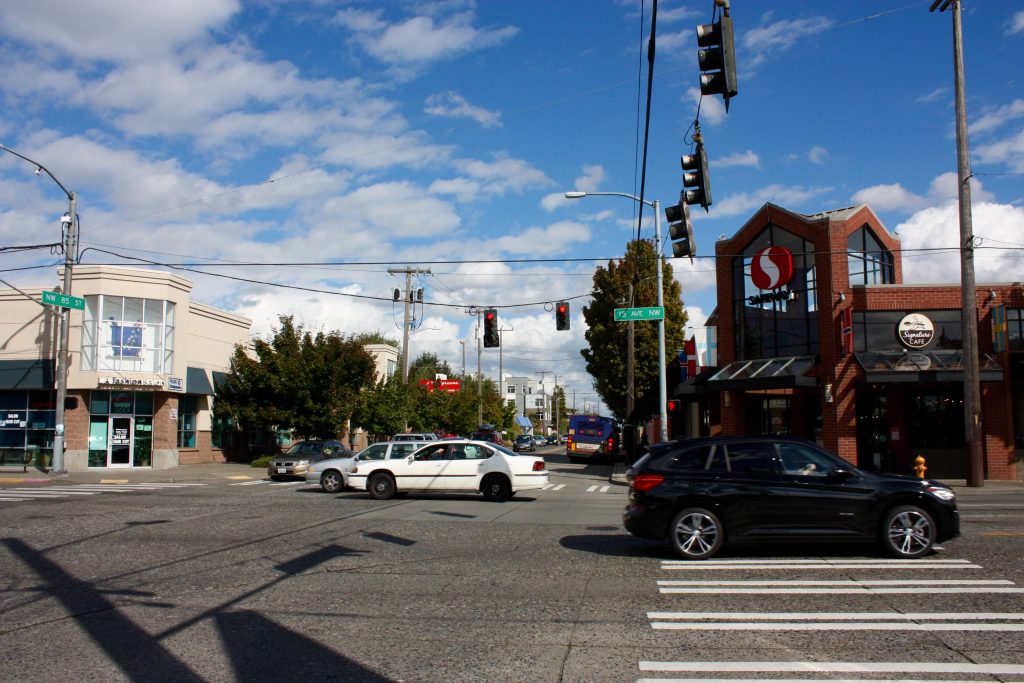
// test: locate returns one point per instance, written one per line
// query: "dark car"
(552, 439)
(702, 493)
(296, 460)
(523, 442)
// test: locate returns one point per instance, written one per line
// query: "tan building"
(144, 359)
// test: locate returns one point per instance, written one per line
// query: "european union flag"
(126, 340)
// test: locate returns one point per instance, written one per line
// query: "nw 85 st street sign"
(644, 313)
(64, 300)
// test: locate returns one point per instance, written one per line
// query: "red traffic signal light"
(491, 338)
(673, 405)
(562, 315)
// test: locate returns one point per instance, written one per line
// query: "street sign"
(645, 313)
(64, 300)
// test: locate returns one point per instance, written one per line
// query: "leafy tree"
(427, 366)
(364, 338)
(381, 409)
(558, 399)
(607, 339)
(296, 381)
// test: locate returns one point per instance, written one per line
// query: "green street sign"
(64, 300)
(645, 313)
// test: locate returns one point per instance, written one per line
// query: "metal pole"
(630, 387)
(479, 378)
(972, 391)
(64, 353)
(662, 382)
(405, 327)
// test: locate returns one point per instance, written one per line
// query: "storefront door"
(120, 439)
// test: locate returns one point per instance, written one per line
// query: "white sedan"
(452, 465)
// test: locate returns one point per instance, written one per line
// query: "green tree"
(296, 381)
(607, 339)
(381, 409)
(427, 366)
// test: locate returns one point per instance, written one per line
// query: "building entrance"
(119, 439)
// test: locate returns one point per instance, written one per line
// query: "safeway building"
(819, 337)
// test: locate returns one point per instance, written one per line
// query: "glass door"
(121, 435)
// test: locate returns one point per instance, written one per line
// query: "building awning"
(196, 382)
(924, 366)
(36, 373)
(523, 421)
(763, 373)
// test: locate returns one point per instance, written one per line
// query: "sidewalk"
(183, 473)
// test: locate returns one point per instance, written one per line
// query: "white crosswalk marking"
(830, 667)
(814, 563)
(23, 493)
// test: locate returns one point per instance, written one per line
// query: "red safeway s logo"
(771, 268)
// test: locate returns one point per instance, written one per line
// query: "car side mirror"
(840, 474)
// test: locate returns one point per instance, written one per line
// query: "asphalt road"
(257, 581)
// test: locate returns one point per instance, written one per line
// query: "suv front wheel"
(908, 532)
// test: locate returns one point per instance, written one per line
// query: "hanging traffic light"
(718, 61)
(672, 406)
(562, 316)
(681, 229)
(695, 176)
(491, 339)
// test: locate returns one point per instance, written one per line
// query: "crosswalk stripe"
(831, 626)
(559, 487)
(865, 590)
(844, 582)
(717, 564)
(690, 566)
(833, 667)
(809, 680)
(839, 616)
(591, 489)
(45, 493)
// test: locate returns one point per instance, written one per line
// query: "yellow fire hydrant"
(919, 468)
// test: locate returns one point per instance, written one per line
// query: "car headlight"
(302, 462)
(941, 492)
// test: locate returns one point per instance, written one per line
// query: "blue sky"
(443, 135)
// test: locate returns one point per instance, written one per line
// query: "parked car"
(415, 436)
(296, 460)
(491, 435)
(455, 466)
(552, 439)
(539, 440)
(701, 493)
(524, 442)
(330, 474)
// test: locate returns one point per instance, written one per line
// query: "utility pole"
(406, 322)
(479, 376)
(630, 385)
(969, 321)
(544, 400)
(554, 406)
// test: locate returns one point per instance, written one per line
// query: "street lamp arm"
(39, 167)
(580, 195)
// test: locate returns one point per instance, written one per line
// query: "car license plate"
(282, 470)
(587, 447)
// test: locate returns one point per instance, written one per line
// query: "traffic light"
(491, 339)
(718, 60)
(695, 176)
(562, 316)
(681, 229)
(672, 406)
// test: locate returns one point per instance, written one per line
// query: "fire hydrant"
(919, 468)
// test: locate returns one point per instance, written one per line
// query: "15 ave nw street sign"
(645, 313)
(64, 300)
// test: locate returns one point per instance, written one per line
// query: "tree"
(296, 381)
(381, 409)
(607, 339)
(427, 366)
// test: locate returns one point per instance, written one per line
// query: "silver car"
(332, 474)
(297, 459)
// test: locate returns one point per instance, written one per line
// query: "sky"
(289, 153)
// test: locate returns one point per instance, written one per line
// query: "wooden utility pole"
(406, 321)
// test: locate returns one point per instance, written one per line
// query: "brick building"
(818, 337)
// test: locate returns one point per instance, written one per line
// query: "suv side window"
(687, 458)
(801, 461)
(749, 457)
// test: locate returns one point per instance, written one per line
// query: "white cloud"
(590, 180)
(995, 118)
(775, 37)
(1009, 151)
(420, 39)
(895, 197)
(1000, 227)
(1016, 24)
(380, 151)
(464, 189)
(454, 105)
(748, 158)
(394, 209)
(113, 29)
(817, 155)
(712, 109)
(933, 96)
(743, 203)
(503, 174)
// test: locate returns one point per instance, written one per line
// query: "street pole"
(406, 322)
(969, 320)
(479, 377)
(662, 382)
(64, 354)
(630, 387)
(69, 224)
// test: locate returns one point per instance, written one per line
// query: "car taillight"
(608, 446)
(646, 482)
(538, 466)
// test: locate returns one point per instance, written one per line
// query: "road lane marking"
(837, 667)
(845, 582)
(838, 616)
(812, 560)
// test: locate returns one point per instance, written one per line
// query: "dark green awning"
(196, 382)
(27, 374)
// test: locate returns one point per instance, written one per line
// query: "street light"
(69, 227)
(662, 386)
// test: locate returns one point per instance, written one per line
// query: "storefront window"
(127, 334)
(868, 261)
(937, 419)
(1015, 328)
(782, 321)
(187, 421)
(26, 420)
(120, 428)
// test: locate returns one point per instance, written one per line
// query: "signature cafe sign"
(915, 331)
(770, 270)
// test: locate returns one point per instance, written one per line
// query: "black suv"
(701, 493)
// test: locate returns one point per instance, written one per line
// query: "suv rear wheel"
(697, 534)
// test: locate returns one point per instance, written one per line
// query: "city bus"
(592, 437)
